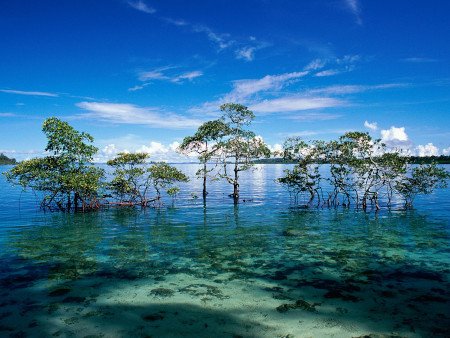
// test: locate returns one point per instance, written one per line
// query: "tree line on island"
(5, 160)
(361, 171)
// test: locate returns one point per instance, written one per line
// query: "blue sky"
(142, 74)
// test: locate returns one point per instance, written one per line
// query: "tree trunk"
(69, 204)
(236, 183)
(204, 181)
(75, 201)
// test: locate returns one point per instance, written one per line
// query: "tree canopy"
(205, 144)
(66, 177)
(240, 146)
(362, 171)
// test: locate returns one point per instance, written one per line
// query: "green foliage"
(423, 179)
(361, 170)
(238, 115)
(67, 176)
(164, 176)
(133, 178)
(239, 147)
(200, 143)
(129, 183)
(64, 141)
(4, 160)
(173, 192)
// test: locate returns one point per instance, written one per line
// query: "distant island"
(6, 160)
(443, 159)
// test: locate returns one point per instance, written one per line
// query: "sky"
(139, 75)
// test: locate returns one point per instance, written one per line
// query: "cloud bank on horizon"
(140, 75)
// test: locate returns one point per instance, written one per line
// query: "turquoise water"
(260, 269)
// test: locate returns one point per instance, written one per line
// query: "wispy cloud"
(352, 89)
(246, 53)
(293, 103)
(267, 95)
(344, 64)
(328, 72)
(316, 64)
(305, 133)
(30, 93)
(221, 40)
(138, 87)
(244, 49)
(419, 60)
(125, 113)
(162, 74)
(314, 117)
(244, 90)
(187, 76)
(141, 6)
(7, 114)
(176, 22)
(355, 8)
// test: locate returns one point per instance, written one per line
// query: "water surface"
(260, 269)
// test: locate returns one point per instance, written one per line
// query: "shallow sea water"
(260, 269)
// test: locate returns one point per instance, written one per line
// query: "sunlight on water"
(263, 268)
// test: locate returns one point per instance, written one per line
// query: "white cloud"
(246, 53)
(314, 117)
(153, 75)
(7, 114)
(394, 134)
(162, 75)
(251, 92)
(125, 113)
(174, 145)
(176, 22)
(31, 93)
(276, 148)
(396, 138)
(328, 72)
(315, 64)
(223, 41)
(353, 89)
(243, 49)
(306, 133)
(187, 76)
(141, 6)
(243, 89)
(293, 103)
(355, 8)
(110, 149)
(419, 60)
(371, 125)
(158, 151)
(153, 148)
(427, 150)
(137, 87)
(348, 59)
(446, 151)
